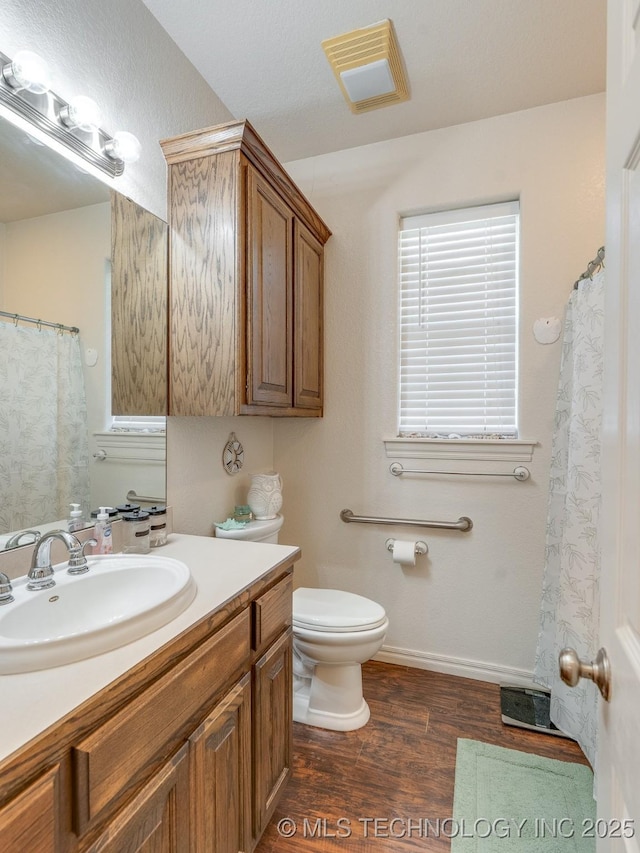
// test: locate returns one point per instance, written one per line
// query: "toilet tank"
(255, 531)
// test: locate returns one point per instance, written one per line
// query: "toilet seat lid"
(335, 610)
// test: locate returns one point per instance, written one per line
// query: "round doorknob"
(572, 669)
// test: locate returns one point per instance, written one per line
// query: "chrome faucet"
(5, 589)
(41, 571)
(14, 542)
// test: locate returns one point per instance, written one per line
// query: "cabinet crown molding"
(242, 136)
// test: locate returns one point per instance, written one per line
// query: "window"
(458, 323)
(139, 423)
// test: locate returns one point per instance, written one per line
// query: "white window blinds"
(458, 322)
(139, 423)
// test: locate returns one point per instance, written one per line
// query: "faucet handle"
(5, 589)
(77, 558)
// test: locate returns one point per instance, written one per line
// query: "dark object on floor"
(527, 709)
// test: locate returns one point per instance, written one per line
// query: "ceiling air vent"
(368, 67)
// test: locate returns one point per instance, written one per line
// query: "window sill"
(131, 446)
(480, 449)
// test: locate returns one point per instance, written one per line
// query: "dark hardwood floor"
(372, 789)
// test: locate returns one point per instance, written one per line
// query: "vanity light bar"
(48, 113)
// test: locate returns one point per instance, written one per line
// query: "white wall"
(117, 53)
(475, 599)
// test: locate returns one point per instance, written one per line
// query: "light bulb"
(82, 113)
(124, 147)
(28, 71)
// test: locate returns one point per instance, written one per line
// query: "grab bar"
(132, 497)
(464, 523)
(520, 473)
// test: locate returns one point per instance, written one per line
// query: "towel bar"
(520, 473)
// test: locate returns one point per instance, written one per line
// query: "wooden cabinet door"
(138, 310)
(269, 295)
(30, 821)
(308, 322)
(221, 776)
(272, 729)
(157, 819)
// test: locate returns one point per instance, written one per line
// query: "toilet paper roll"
(404, 552)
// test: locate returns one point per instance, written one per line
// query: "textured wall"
(476, 597)
(117, 53)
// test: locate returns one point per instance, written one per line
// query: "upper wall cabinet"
(245, 280)
(138, 310)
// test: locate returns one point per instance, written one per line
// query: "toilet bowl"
(334, 633)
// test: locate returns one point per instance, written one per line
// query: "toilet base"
(337, 722)
(329, 696)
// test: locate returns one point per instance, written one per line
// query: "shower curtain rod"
(592, 267)
(59, 326)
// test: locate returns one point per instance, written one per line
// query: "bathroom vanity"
(179, 741)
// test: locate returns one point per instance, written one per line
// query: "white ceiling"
(465, 60)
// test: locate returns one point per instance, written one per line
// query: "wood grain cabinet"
(138, 310)
(189, 759)
(245, 278)
(31, 820)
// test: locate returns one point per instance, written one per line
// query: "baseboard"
(477, 670)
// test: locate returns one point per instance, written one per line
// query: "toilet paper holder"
(421, 547)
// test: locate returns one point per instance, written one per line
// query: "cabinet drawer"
(272, 613)
(119, 755)
(30, 821)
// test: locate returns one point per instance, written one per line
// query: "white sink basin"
(120, 599)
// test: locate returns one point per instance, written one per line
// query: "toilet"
(334, 633)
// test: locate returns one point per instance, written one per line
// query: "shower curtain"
(569, 613)
(44, 450)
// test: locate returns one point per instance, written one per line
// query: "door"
(619, 729)
(307, 331)
(157, 818)
(272, 731)
(269, 285)
(221, 775)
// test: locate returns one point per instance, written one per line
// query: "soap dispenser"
(76, 521)
(102, 532)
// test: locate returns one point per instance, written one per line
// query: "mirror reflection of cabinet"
(245, 280)
(54, 249)
(138, 310)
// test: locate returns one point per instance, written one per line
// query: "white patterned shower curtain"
(569, 613)
(44, 443)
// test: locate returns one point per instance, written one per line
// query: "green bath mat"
(506, 800)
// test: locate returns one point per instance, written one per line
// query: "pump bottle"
(102, 532)
(76, 522)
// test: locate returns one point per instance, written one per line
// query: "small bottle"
(158, 525)
(76, 521)
(136, 532)
(102, 532)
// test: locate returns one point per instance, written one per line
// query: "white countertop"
(30, 702)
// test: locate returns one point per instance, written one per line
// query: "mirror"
(56, 264)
